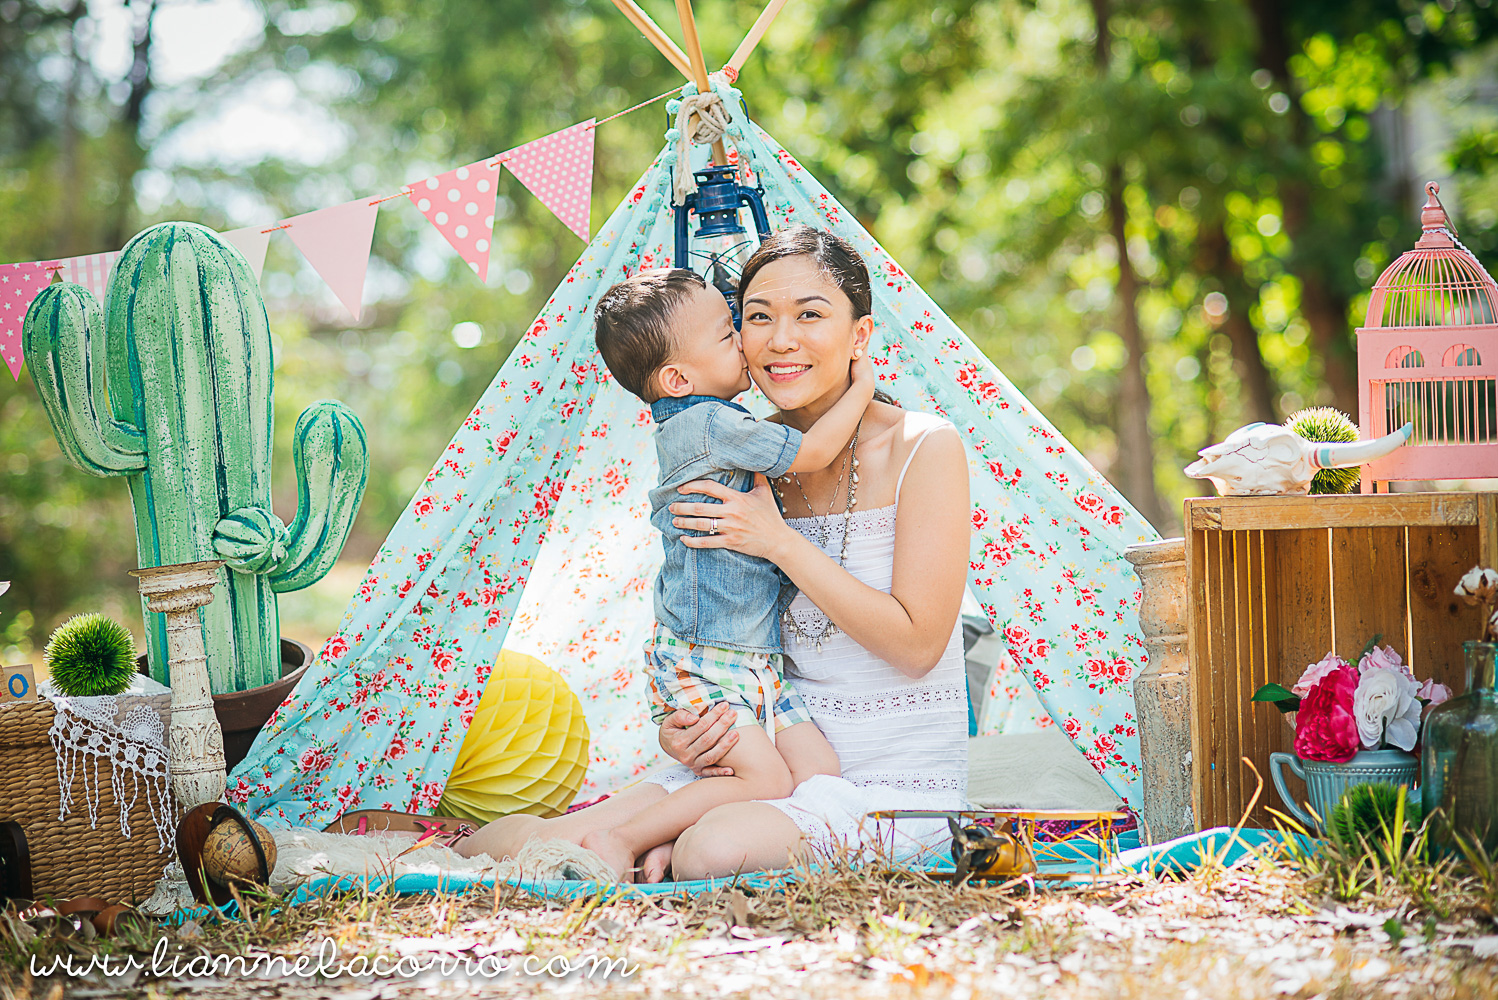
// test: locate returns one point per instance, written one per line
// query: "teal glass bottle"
(1459, 759)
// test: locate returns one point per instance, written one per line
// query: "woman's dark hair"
(834, 255)
(836, 258)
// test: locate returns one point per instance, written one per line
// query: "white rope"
(712, 125)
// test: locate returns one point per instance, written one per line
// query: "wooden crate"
(1275, 583)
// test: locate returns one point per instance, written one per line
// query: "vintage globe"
(526, 749)
(229, 853)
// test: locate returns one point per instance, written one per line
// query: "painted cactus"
(171, 388)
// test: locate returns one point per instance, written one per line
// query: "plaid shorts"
(696, 677)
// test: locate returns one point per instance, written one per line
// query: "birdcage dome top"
(1438, 283)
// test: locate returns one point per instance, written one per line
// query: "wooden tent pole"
(761, 25)
(699, 65)
(656, 36)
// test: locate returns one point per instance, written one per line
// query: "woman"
(877, 544)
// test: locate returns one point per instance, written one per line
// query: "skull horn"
(1340, 456)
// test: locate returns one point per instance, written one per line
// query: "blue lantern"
(723, 242)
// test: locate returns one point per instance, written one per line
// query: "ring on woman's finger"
(714, 529)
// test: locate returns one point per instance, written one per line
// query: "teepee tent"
(532, 533)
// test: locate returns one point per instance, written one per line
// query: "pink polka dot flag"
(558, 170)
(460, 203)
(19, 284)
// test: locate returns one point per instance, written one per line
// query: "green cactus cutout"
(171, 387)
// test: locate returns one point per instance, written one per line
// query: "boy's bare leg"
(806, 752)
(504, 837)
(759, 772)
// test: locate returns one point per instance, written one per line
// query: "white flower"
(1479, 585)
(1387, 708)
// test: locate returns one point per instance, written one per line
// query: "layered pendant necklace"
(849, 472)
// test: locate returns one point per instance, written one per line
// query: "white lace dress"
(901, 741)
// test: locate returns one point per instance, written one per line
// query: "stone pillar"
(196, 740)
(1162, 692)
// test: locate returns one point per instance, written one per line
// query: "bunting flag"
(91, 271)
(558, 170)
(250, 241)
(460, 203)
(336, 243)
(19, 284)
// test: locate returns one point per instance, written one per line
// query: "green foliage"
(974, 138)
(1324, 423)
(1372, 813)
(91, 655)
(1279, 696)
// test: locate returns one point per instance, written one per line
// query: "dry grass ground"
(1319, 926)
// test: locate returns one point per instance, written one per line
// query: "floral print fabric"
(532, 532)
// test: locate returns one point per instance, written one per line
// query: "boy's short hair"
(632, 325)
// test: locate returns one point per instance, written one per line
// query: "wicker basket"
(68, 857)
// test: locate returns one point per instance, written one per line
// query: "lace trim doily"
(84, 734)
(885, 703)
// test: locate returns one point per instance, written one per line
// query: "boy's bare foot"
(614, 852)
(502, 838)
(655, 864)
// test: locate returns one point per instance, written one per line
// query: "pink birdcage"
(1428, 356)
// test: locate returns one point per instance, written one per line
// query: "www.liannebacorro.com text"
(326, 964)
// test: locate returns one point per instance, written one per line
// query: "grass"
(841, 929)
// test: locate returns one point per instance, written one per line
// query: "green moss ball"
(1366, 814)
(91, 655)
(1326, 425)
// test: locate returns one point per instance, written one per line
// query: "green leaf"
(1369, 648)
(1280, 696)
(1273, 692)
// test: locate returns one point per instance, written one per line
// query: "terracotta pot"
(241, 714)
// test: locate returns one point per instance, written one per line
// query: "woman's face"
(799, 333)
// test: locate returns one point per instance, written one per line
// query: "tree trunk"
(1324, 308)
(130, 157)
(1134, 469)
(1256, 384)
(68, 237)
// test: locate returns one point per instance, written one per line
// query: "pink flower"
(1325, 728)
(423, 506)
(1385, 657)
(1113, 516)
(1313, 674)
(1017, 635)
(1073, 728)
(980, 518)
(431, 794)
(240, 793)
(1097, 668)
(336, 648)
(988, 392)
(1120, 670)
(1041, 649)
(397, 749)
(369, 716)
(1435, 693)
(1105, 744)
(313, 759)
(1090, 502)
(442, 660)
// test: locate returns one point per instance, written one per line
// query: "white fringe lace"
(84, 735)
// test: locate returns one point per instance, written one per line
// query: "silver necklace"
(848, 471)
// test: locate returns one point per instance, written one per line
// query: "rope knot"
(711, 125)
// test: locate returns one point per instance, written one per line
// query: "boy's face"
(708, 360)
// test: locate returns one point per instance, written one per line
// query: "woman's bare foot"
(502, 838)
(655, 864)
(614, 852)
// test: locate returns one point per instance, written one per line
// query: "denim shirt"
(717, 597)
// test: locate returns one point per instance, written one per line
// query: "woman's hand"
(700, 743)
(745, 522)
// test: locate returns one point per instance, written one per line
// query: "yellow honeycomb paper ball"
(527, 749)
